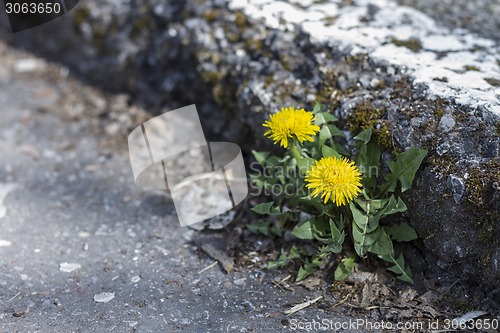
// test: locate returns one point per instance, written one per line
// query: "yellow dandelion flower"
(334, 178)
(290, 123)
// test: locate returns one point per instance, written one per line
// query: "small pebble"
(240, 282)
(69, 267)
(104, 297)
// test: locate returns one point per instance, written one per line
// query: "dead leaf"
(226, 261)
(407, 295)
(310, 283)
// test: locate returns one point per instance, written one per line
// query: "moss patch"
(329, 20)
(365, 116)
(471, 68)
(211, 15)
(81, 15)
(413, 44)
(480, 182)
(240, 20)
(438, 113)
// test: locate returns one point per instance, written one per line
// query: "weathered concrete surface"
(238, 67)
(82, 249)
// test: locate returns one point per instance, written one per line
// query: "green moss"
(357, 59)
(268, 80)
(492, 81)
(438, 113)
(471, 68)
(442, 165)
(211, 15)
(383, 137)
(366, 116)
(240, 20)
(233, 37)
(413, 44)
(329, 20)
(379, 85)
(402, 89)
(328, 93)
(284, 61)
(211, 77)
(81, 15)
(487, 230)
(480, 181)
(497, 128)
(253, 44)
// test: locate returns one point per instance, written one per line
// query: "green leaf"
(259, 227)
(284, 258)
(260, 156)
(393, 206)
(365, 227)
(304, 271)
(364, 136)
(324, 118)
(337, 234)
(341, 149)
(336, 131)
(324, 135)
(277, 230)
(344, 268)
(318, 107)
(383, 245)
(305, 164)
(365, 222)
(362, 241)
(401, 232)
(329, 152)
(304, 230)
(361, 159)
(263, 208)
(403, 272)
(368, 161)
(404, 169)
(372, 155)
(375, 204)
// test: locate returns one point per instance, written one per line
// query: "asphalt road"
(82, 249)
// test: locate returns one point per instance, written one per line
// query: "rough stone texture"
(237, 70)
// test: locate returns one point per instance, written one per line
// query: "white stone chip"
(4, 190)
(29, 65)
(135, 279)
(4, 242)
(104, 297)
(68, 267)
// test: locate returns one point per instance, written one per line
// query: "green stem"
(295, 151)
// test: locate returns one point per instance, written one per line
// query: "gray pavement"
(82, 249)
